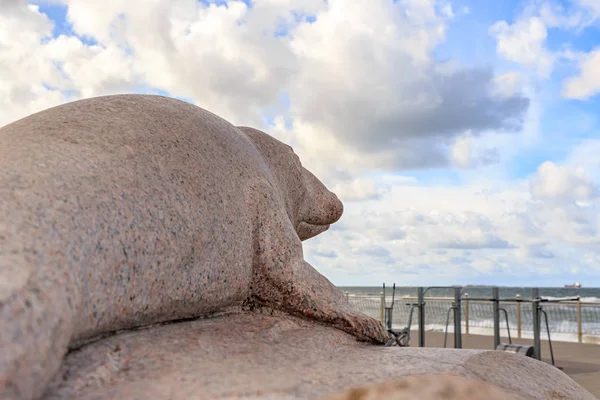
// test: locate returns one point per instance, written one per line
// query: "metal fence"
(569, 317)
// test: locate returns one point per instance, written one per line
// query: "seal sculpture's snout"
(331, 212)
(321, 208)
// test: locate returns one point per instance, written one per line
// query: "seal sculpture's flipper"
(281, 278)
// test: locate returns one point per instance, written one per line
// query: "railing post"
(496, 311)
(579, 331)
(382, 308)
(421, 301)
(457, 318)
(467, 313)
(535, 312)
(519, 316)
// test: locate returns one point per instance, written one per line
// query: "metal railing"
(566, 317)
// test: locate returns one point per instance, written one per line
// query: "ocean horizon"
(586, 294)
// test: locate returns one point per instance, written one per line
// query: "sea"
(561, 310)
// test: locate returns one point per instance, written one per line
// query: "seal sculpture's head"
(310, 206)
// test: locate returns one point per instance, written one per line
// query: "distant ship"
(576, 285)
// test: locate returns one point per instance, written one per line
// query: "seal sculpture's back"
(122, 211)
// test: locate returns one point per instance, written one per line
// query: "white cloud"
(461, 152)
(546, 223)
(524, 42)
(362, 78)
(467, 152)
(577, 16)
(356, 189)
(22, 89)
(587, 83)
(559, 183)
(368, 81)
(509, 83)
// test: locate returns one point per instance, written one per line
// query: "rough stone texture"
(429, 387)
(123, 211)
(257, 356)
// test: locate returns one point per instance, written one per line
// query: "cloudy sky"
(462, 136)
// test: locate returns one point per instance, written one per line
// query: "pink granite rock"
(122, 211)
(428, 387)
(263, 356)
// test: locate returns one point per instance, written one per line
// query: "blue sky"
(564, 122)
(306, 71)
(57, 12)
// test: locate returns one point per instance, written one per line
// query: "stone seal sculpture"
(118, 212)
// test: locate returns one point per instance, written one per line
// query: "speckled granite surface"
(122, 211)
(428, 387)
(252, 355)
